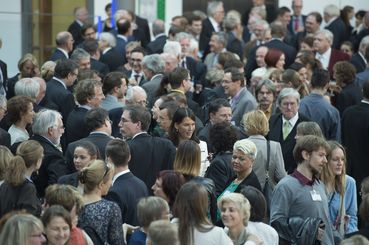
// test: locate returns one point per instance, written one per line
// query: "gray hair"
(132, 91)
(221, 37)
(247, 147)
(28, 87)
(364, 43)
(172, 47)
(193, 45)
(79, 54)
(182, 35)
(332, 10)
(327, 34)
(215, 76)
(286, 92)
(231, 22)
(44, 120)
(212, 6)
(109, 38)
(158, 27)
(267, 83)
(154, 63)
(62, 38)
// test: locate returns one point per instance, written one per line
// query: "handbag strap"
(268, 159)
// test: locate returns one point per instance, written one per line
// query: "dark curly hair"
(222, 137)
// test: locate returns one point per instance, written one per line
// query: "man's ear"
(305, 155)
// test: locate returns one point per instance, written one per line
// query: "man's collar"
(302, 178)
(64, 52)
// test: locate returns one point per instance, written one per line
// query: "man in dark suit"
(278, 31)
(282, 126)
(242, 100)
(233, 28)
(99, 125)
(336, 25)
(48, 128)
(80, 18)
(92, 47)
(363, 76)
(142, 32)
(324, 53)
(211, 24)
(126, 189)
(156, 46)
(58, 96)
(89, 95)
(109, 55)
(137, 55)
(3, 75)
(312, 25)
(149, 155)
(4, 135)
(358, 59)
(64, 45)
(124, 36)
(297, 23)
(355, 131)
(153, 68)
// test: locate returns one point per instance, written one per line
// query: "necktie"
(137, 77)
(296, 24)
(286, 129)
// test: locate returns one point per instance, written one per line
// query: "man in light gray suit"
(242, 100)
(153, 68)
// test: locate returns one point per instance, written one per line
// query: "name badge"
(315, 196)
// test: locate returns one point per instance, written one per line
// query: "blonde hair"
(98, 171)
(243, 205)
(5, 157)
(256, 123)
(247, 147)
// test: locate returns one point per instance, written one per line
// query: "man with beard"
(265, 93)
(299, 206)
(114, 88)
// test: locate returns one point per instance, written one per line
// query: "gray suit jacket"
(276, 163)
(246, 102)
(111, 102)
(151, 87)
(211, 60)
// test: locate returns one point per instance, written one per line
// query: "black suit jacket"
(75, 30)
(97, 138)
(112, 59)
(197, 70)
(358, 62)
(4, 70)
(58, 55)
(126, 191)
(4, 138)
(53, 166)
(60, 99)
(75, 128)
(205, 35)
(150, 155)
(69, 179)
(156, 46)
(142, 33)
(100, 67)
(339, 30)
(290, 26)
(287, 145)
(235, 45)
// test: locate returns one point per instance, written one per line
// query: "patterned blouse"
(105, 218)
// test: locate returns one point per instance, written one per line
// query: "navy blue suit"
(156, 46)
(58, 55)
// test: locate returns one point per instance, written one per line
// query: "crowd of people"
(229, 128)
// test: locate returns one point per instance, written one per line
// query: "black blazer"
(97, 138)
(197, 70)
(142, 33)
(112, 59)
(4, 70)
(205, 35)
(69, 179)
(60, 99)
(98, 66)
(75, 30)
(221, 171)
(4, 138)
(58, 55)
(150, 155)
(358, 62)
(23, 196)
(75, 127)
(156, 46)
(53, 166)
(287, 145)
(115, 116)
(234, 45)
(251, 180)
(340, 33)
(126, 191)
